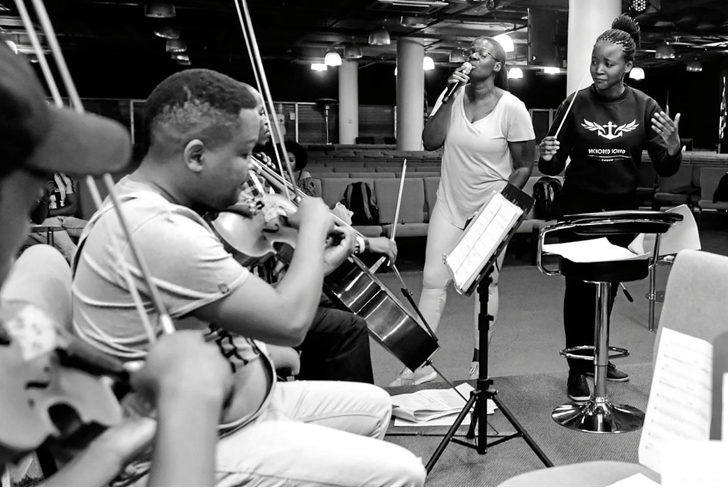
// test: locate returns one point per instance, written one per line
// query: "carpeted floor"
(530, 398)
(525, 364)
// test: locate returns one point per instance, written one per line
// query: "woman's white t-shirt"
(476, 158)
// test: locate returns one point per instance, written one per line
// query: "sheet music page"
(680, 400)
(591, 251)
(699, 463)
(681, 235)
(481, 239)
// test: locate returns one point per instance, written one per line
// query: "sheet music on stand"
(486, 236)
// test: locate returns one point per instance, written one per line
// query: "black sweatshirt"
(605, 138)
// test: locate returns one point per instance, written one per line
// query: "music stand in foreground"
(470, 264)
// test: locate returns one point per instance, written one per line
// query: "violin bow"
(166, 323)
(246, 25)
(379, 262)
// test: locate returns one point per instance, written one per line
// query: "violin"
(250, 230)
(54, 385)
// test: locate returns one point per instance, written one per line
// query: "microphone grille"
(466, 68)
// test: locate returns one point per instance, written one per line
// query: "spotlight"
(506, 42)
(159, 10)
(332, 59)
(638, 5)
(665, 51)
(637, 73)
(515, 73)
(379, 37)
(457, 56)
(352, 51)
(176, 45)
(428, 63)
(694, 66)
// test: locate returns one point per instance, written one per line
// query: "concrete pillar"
(587, 20)
(348, 102)
(410, 93)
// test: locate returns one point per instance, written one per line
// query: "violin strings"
(166, 322)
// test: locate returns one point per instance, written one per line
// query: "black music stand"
(484, 387)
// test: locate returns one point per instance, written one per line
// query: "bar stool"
(599, 414)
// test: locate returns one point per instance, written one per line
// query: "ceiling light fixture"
(428, 63)
(506, 42)
(706, 26)
(694, 66)
(413, 21)
(159, 10)
(665, 51)
(380, 37)
(319, 67)
(551, 70)
(176, 45)
(332, 59)
(180, 56)
(352, 51)
(167, 31)
(638, 5)
(637, 73)
(515, 73)
(457, 55)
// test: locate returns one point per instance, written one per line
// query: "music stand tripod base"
(478, 401)
(599, 415)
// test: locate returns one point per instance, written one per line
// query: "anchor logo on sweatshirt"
(610, 130)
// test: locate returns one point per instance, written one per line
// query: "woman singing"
(489, 141)
(604, 134)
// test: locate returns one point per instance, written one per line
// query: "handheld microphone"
(466, 68)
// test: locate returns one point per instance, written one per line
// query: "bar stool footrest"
(569, 352)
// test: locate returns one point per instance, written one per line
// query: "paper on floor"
(431, 404)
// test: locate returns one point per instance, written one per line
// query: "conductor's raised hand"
(668, 130)
(548, 147)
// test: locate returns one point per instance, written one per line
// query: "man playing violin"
(336, 346)
(35, 141)
(201, 127)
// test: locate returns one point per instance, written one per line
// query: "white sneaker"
(474, 370)
(407, 377)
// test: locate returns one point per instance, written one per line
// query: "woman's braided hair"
(625, 32)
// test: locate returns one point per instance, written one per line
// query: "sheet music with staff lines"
(481, 240)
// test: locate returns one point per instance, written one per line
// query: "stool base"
(599, 416)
